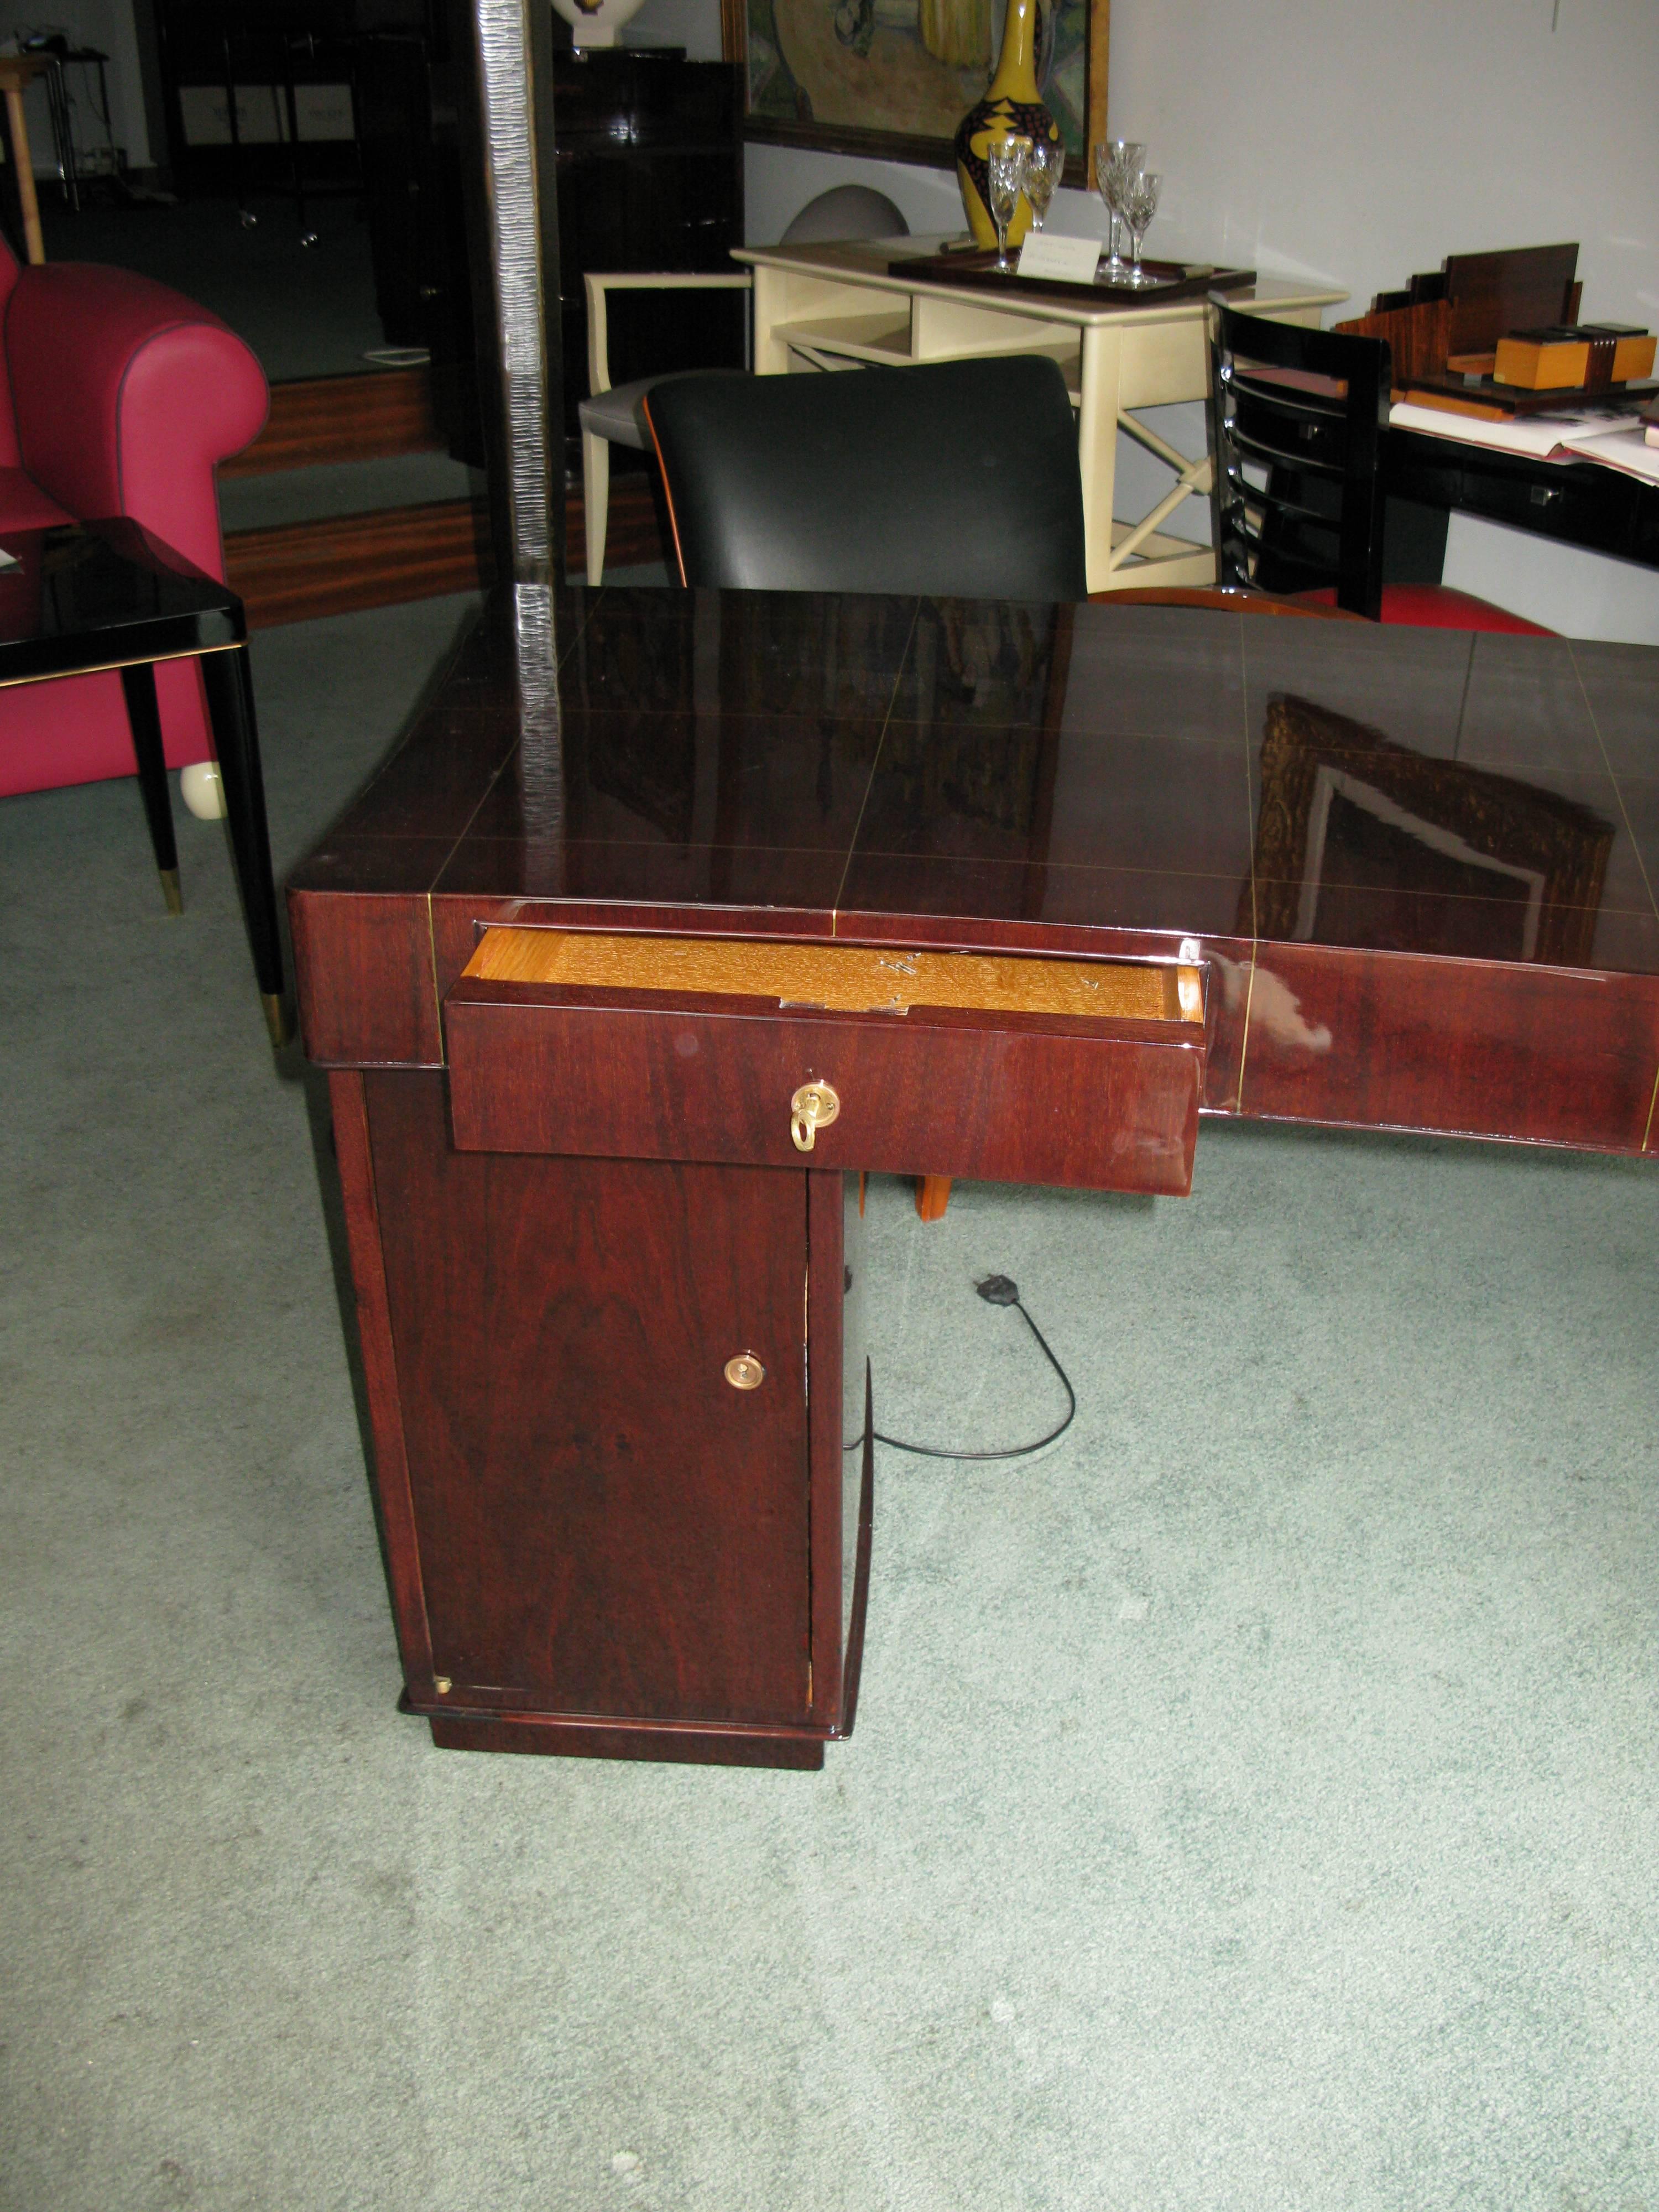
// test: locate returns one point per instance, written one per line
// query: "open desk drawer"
(1009, 1069)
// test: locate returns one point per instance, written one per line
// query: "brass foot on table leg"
(170, 890)
(276, 1020)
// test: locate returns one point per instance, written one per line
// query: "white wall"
(108, 25)
(779, 181)
(693, 24)
(1356, 141)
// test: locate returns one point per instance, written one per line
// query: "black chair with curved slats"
(958, 478)
(1297, 420)
(1310, 511)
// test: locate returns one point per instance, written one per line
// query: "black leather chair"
(955, 477)
(1296, 419)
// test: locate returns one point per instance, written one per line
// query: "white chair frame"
(596, 451)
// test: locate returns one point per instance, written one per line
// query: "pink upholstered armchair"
(117, 397)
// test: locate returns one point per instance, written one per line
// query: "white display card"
(1073, 259)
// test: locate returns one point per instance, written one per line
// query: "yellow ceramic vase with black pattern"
(1010, 109)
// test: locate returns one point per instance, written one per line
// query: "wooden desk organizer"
(1449, 320)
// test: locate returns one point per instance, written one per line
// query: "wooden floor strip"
(337, 563)
(314, 419)
(294, 571)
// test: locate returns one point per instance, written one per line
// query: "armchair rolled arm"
(127, 397)
(597, 283)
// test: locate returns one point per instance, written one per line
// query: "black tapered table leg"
(236, 740)
(144, 720)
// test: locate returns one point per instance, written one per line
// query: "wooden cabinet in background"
(650, 176)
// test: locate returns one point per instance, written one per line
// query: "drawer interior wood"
(842, 978)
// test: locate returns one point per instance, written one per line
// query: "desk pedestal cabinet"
(610, 1302)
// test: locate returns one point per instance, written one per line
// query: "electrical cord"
(996, 1291)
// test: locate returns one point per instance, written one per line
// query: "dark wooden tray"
(1494, 400)
(1177, 280)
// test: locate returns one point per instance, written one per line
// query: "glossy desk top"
(1419, 863)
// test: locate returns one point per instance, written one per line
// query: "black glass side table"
(92, 596)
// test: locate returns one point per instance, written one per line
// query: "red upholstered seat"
(1437, 606)
(117, 396)
(24, 506)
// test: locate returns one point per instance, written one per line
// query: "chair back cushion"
(618, 414)
(127, 395)
(958, 478)
(846, 211)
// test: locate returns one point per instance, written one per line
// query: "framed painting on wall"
(891, 79)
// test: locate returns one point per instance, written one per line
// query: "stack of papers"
(1627, 448)
(1616, 440)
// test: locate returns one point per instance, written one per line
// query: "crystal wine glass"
(1115, 162)
(1045, 165)
(1139, 206)
(1004, 164)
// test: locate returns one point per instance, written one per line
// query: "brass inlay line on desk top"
(110, 667)
(844, 978)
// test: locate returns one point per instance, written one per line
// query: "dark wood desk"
(1579, 503)
(1319, 871)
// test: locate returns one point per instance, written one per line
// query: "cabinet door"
(606, 1524)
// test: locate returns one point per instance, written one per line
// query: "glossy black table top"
(1149, 769)
(98, 594)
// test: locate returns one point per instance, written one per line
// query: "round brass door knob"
(745, 1372)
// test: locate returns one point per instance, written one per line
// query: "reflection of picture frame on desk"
(1361, 842)
(891, 79)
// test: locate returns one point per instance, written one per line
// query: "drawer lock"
(813, 1107)
(745, 1372)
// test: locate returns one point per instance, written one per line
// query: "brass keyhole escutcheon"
(813, 1107)
(745, 1372)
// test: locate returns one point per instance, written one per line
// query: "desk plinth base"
(579, 1739)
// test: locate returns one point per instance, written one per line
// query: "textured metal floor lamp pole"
(512, 57)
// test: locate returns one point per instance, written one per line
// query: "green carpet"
(1254, 1803)
(344, 488)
